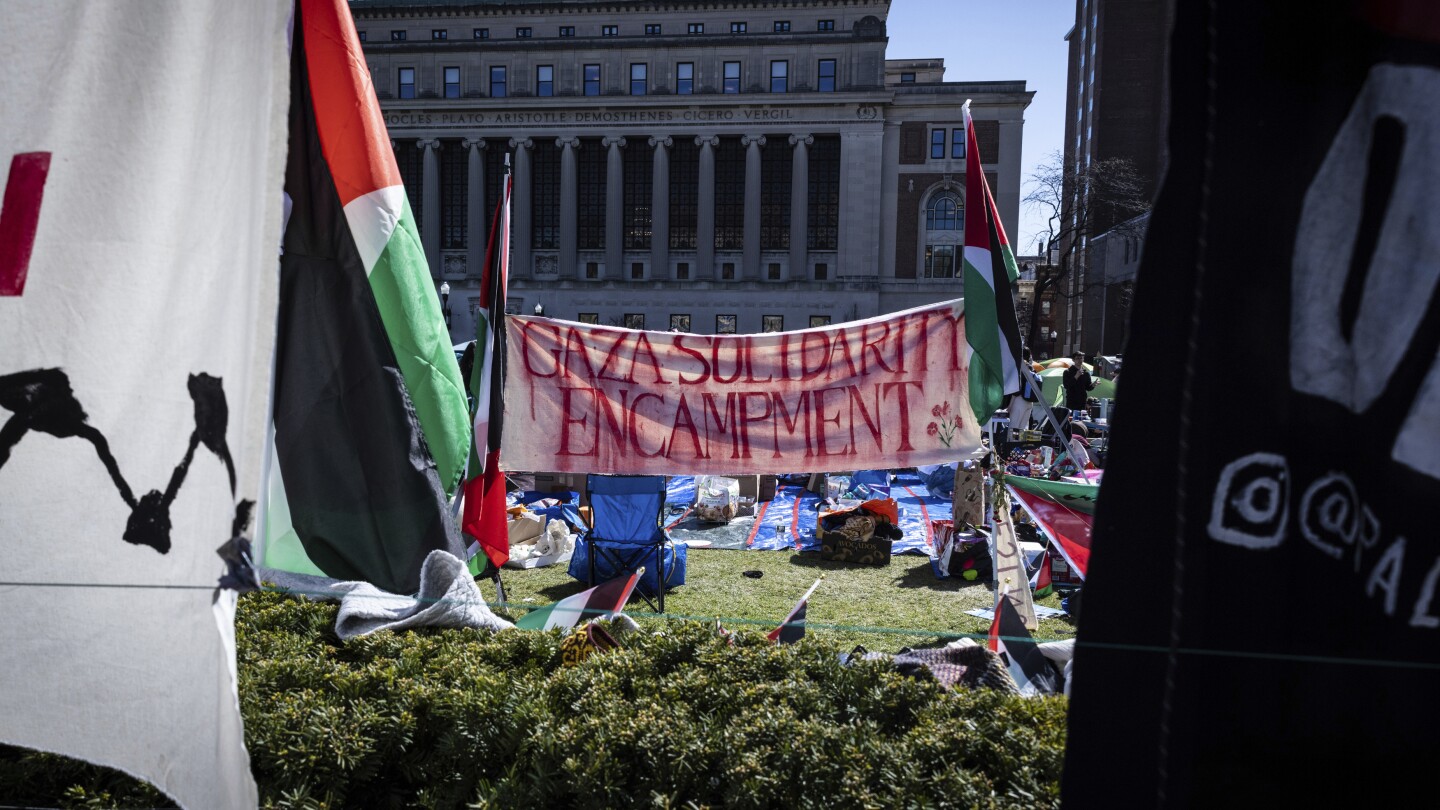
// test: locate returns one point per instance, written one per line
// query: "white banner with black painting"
(141, 146)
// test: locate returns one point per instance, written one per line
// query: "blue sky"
(988, 40)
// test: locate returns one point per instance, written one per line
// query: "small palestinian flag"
(1028, 666)
(484, 517)
(1041, 583)
(602, 600)
(371, 424)
(793, 628)
(991, 328)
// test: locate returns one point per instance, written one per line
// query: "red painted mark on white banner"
(19, 214)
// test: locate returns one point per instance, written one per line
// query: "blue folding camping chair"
(628, 532)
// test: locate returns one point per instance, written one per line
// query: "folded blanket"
(448, 597)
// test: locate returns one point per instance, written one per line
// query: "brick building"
(711, 166)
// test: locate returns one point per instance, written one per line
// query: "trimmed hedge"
(450, 718)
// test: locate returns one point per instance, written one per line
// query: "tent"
(1053, 391)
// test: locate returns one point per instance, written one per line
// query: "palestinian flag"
(991, 328)
(370, 420)
(793, 628)
(602, 600)
(484, 517)
(1042, 583)
(1028, 666)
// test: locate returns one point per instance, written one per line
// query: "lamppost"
(539, 309)
(1053, 347)
(445, 301)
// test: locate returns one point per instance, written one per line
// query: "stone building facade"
(703, 165)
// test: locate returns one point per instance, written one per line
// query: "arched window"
(944, 213)
(944, 234)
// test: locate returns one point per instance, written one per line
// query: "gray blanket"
(448, 598)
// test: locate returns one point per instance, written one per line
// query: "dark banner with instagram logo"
(1261, 625)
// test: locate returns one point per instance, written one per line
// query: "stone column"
(520, 214)
(800, 207)
(569, 200)
(614, 207)
(705, 220)
(751, 254)
(430, 201)
(660, 208)
(477, 219)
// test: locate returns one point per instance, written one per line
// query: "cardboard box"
(766, 489)
(749, 486)
(840, 547)
(559, 482)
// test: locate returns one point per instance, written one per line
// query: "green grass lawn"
(882, 608)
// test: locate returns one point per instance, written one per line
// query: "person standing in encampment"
(1077, 382)
(1021, 403)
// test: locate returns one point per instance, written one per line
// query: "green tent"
(1053, 392)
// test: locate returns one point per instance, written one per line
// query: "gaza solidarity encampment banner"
(880, 393)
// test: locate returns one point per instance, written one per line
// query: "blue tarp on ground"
(787, 523)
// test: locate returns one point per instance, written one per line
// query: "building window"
(779, 76)
(679, 323)
(639, 83)
(729, 195)
(1044, 307)
(439, 33)
(732, 77)
(590, 214)
(638, 172)
(684, 194)
(727, 271)
(737, 28)
(944, 213)
(822, 271)
(397, 36)
(782, 26)
(824, 213)
(634, 320)
(826, 76)
(696, 28)
(545, 80)
(939, 261)
(545, 195)
(817, 321)
(362, 35)
(522, 33)
(407, 82)
(724, 324)
(482, 33)
(772, 323)
(592, 80)
(592, 270)
(907, 78)
(685, 78)
(937, 144)
(454, 182)
(772, 271)
(609, 30)
(452, 82)
(775, 181)
(682, 271)
(497, 82)
(589, 317)
(957, 144)
(826, 25)
(652, 29)
(567, 30)
(409, 160)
